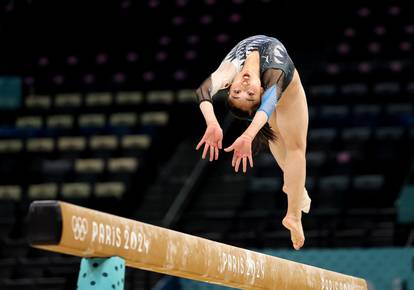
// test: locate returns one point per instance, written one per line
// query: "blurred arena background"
(98, 108)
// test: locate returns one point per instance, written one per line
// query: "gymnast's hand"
(212, 141)
(242, 151)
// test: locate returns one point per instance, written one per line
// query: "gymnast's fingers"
(237, 164)
(251, 160)
(228, 149)
(205, 150)
(200, 143)
(233, 161)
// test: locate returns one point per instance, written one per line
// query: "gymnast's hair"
(263, 137)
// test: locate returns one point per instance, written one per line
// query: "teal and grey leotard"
(273, 59)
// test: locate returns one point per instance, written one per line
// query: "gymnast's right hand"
(212, 141)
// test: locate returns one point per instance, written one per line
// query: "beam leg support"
(101, 274)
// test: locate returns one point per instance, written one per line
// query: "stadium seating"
(102, 127)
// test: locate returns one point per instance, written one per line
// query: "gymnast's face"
(245, 91)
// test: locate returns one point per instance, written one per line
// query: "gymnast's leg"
(278, 150)
(291, 118)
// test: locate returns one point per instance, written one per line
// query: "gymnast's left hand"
(242, 152)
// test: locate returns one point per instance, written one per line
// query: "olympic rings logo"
(79, 228)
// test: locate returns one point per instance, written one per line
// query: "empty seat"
(11, 145)
(334, 183)
(154, 118)
(98, 99)
(160, 97)
(68, 100)
(10, 192)
(365, 115)
(38, 102)
(51, 283)
(355, 89)
(126, 164)
(322, 134)
(410, 87)
(315, 158)
(268, 184)
(31, 267)
(357, 133)
(43, 191)
(310, 183)
(59, 166)
(129, 98)
(136, 142)
(40, 144)
(368, 182)
(76, 190)
(334, 111)
(184, 96)
(19, 284)
(92, 120)
(322, 90)
(29, 122)
(394, 132)
(312, 111)
(60, 121)
(109, 189)
(387, 88)
(365, 109)
(109, 142)
(399, 109)
(71, 143)
(123, 119)
(89, 165)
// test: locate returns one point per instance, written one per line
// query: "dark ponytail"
(263, 137)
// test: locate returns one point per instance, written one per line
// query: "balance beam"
(69, 229)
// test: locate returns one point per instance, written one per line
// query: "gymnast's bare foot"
(294, 225)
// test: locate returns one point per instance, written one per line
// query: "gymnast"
(265, 89)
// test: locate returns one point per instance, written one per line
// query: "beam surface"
(66, 228)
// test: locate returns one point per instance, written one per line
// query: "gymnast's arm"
(272, 81)
(219, 79)
(242, 146)
(214, 135)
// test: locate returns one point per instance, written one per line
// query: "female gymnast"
(264, 88)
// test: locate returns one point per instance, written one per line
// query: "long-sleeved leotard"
(276, 70)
